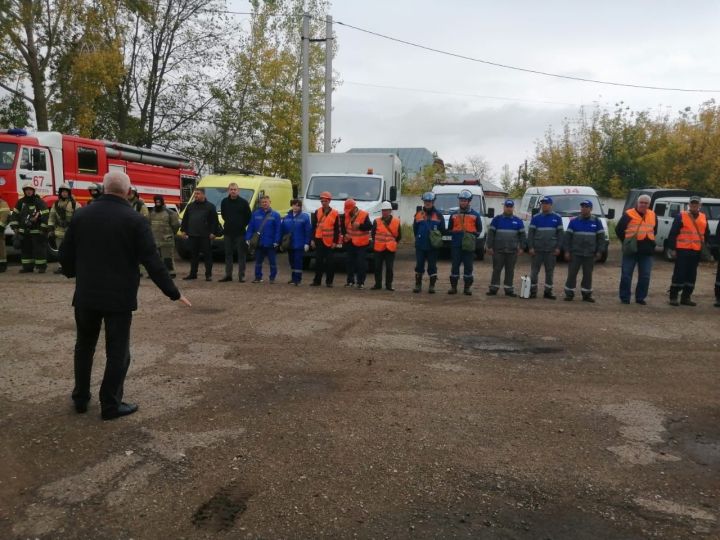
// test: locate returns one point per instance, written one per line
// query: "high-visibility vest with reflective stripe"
(352, 232)
(386, 235)
(422, 215)
(639, 226)
(689, 237)
(469, 220)
(325, 230)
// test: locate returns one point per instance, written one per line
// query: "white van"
(566, 203)
(446, 201)
(666, 208)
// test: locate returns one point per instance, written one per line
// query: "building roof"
(414, 160)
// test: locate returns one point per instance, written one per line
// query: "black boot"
(549, 294)
(467, 286)
(433, 281)
(674, 291)
(26, 269)
(587, 297)
(686, 301)
(418, 283)
(170, 267)
(3, 267)
(453, 285)
(716, 304)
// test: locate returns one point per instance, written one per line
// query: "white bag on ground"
(525, 286)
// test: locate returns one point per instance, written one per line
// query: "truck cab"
(566, 203)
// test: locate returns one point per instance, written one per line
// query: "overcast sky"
(450, 105)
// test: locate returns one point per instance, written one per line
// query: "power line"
(459, 94)
(503, 66)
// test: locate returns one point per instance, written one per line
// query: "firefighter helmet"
(66, 186)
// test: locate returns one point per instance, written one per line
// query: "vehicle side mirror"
(394, 205)
(393, 193)
(491, 212)
(535, 211)
(611, 213)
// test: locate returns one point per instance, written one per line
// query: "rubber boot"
(587, 297)
(170, 268)
(685, 300)
(674, 291)
(549, 294)
(26, 269)
(467, 286)
(418, 283)
(453, 285)
(433, 281)
(3, 267)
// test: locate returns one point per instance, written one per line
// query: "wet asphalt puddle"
(222, 509)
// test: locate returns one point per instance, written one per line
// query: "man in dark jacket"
(102, 249)
(200, 225)
(235, 212)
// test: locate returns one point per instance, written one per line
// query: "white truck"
(369, 179)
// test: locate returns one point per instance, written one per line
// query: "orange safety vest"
(386, 235)
(461, 218)
(325, 229)
(422, 215)
(353, 233)
(640, 227)
(689, 236)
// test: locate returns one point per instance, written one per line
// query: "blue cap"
(586, 202)
(509, 202)
(546, 200)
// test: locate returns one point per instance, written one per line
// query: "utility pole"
(328, 83)
(305, 100)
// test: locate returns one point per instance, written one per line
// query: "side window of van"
(674, 210)
(533, 200)
(660, 209)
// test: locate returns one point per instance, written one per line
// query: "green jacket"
(4, 215)
(60, 215)
(138, 205)
(164, 224)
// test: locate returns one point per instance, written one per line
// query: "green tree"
(14, 112)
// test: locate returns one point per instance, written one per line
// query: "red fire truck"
(47, 159)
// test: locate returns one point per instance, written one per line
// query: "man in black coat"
(236, 213)
(200, 226)
(102, 249)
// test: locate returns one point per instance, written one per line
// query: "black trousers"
(33, 251)
(685, 271)
(117, 350)
(235, 243)
(324, 263)
(388, 259)
(200, 244)
(356, 264)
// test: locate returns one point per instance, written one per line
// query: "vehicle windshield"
(711, 211)
(216, 194)
(360, 188)
(569, 205)
(7, 155)
(448, 202)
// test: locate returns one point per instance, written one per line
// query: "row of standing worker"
(264, 232)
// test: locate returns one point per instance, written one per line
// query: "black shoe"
(390, 288)
(329, 285)
(3, 267)
(491, 293)
(257, 280)
(123, 410)
(549, 296)
(208, 278)
(687, 302)
(315, 284)
(376, 287)
(360, 286)
(225, 279)
(350, 284)
(467, 292)
(25, 271)
(641, 302)
(625, 301)
(588, 299)
(81, 407)
(511, 294)
(673, 302)
(188, 278)
(717, 303)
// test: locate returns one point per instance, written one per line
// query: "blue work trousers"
(426, 255)
(295, 257)
(260, 254)
(644, 264)
(459, 256)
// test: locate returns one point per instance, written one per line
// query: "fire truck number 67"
(38, 181)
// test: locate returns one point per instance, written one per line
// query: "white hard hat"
(386, 206)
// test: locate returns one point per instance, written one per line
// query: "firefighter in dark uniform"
(29, 219)
(61, 213)
(95, 191)
(4, 217)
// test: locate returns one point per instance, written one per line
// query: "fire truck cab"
(47, 159)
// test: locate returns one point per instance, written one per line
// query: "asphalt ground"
(269, 411)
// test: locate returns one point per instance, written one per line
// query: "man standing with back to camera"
(102, 249)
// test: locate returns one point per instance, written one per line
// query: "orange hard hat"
(326, 195)
(349, 204)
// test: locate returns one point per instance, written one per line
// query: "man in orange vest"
(356, 227)
(325, 238)
(688, 233)
(639, 223)
(386, 235)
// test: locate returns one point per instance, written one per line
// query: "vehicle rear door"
(34, 169)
